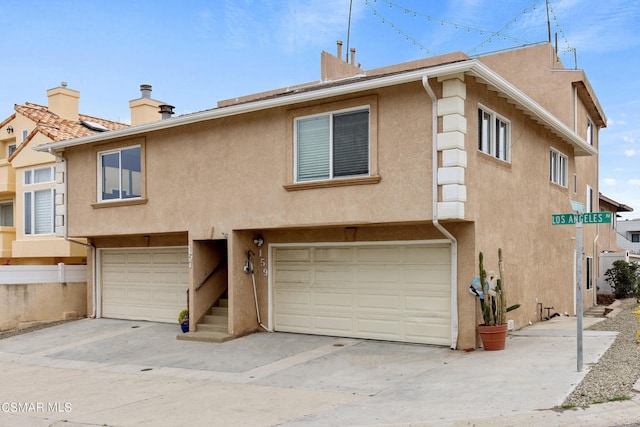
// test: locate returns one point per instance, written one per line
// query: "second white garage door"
(396, 292)
(144, 284)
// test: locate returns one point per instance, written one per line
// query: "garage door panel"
(335, 324)
(379, 302)
(292, 275)
(339, 255)
(398, 292)
(144, 284)
(333, 299)
(293, 254)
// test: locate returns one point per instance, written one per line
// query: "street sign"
(587, 218)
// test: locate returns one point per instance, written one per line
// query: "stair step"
(219, 311)
(223, 302)
(209, 327)
(205, 336)
(211, 319)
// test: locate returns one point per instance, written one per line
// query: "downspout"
(88, 245)
(434, 210)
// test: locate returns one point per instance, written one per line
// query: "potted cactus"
(493, 303)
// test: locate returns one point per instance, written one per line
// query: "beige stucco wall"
(39, 302)
(232, 178)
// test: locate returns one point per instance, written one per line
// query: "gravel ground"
(14, 332)
(613, 377)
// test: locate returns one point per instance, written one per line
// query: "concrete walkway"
(124, 373)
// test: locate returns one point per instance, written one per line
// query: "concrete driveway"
(125, 373)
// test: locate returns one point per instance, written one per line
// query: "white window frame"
(11, 148)
(25, 134)
(31, 231)
(100, 155)
(31, 176)
(330, 116)
(589, 131)
(558, 168)
(589, 202)
(488, 142)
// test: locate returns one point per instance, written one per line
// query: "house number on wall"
(263, 264)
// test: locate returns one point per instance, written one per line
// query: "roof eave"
(472, 67)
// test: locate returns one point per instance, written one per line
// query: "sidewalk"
(125, 373)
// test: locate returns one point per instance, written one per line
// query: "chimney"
(166, 111)
(339, 43)
(64, 102)
(144, 109)
(145, 91)
(353, 55)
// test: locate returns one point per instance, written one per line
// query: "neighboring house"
(363, 200)
(629, 235)
(28, 196)
(608, 247)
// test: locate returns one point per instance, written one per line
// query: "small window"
(558, 168)
(494, 134)
(589, 272)
(120, 174)
(25, 134)
(40, 175)
(6, 214)
(589, 131)
(575, 183)
(39, 211)
(635, 237)
(334, 145)
(589, 204)
(11, 149)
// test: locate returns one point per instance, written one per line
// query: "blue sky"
(196, 52)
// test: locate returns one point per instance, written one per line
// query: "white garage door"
(144, 284)
(395, 292)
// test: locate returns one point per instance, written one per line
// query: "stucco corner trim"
(374, 179)
(119, 203)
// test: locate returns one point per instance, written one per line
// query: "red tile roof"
(57, 128)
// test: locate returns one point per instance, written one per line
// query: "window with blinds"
(334, 145)
(39, 212)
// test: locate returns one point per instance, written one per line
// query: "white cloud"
(635, 182)
(631, 153)
(609, 181)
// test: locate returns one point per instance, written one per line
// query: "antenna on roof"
(548, 24)
(349, 30)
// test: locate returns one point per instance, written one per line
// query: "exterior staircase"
(214, 325)
(596, 311)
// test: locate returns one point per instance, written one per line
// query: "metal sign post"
(579, 294)
(578, 219)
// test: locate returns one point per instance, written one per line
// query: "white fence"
(25, 274)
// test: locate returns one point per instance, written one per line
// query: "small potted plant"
(493, 303)
(183, 320)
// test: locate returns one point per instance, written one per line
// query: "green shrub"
(622, 278)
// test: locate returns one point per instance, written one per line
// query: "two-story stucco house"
(362, 199)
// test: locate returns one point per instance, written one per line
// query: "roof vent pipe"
(145, 90)
(166, 111)
(339, 43)
(353, 55)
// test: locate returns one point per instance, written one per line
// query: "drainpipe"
(434, 210)
(88, 245)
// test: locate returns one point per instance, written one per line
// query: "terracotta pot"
(493, 337)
